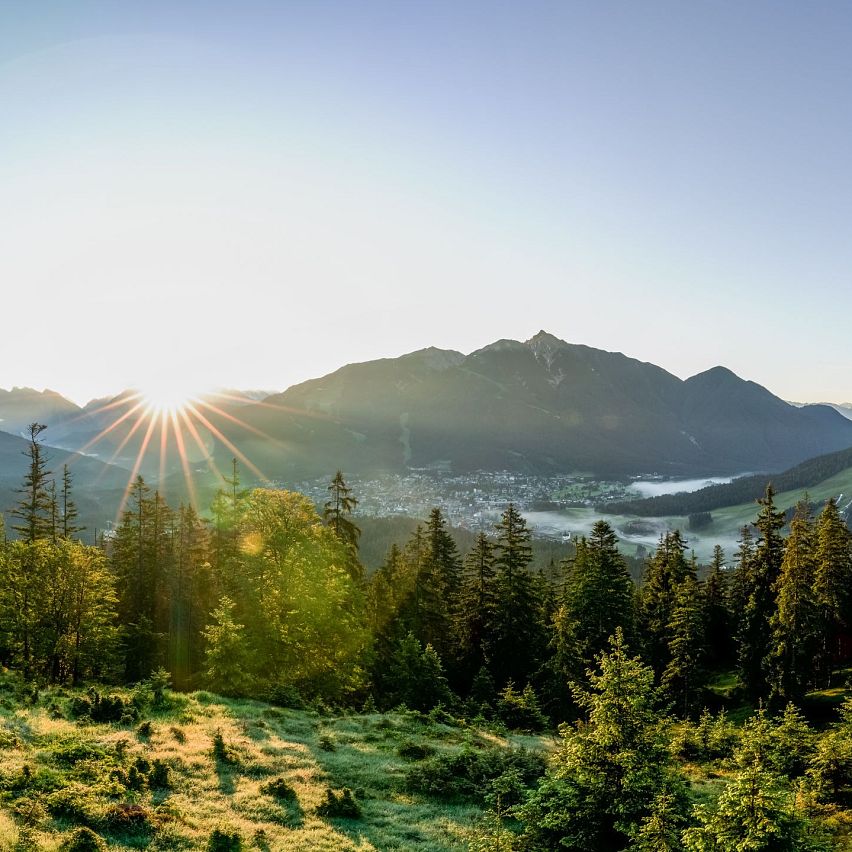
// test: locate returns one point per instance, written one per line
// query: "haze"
(253, 194)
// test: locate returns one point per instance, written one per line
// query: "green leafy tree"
(229, 661)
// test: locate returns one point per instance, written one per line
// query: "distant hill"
(97, 487)
(745, 489)
(21, 406)
(538, 406)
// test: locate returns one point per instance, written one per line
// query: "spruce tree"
(34, 510)
(682, 677)
(68, 506)
(718, 620)
(760, 578)
(478, 608)
(833, 582)
(796, 624)
(519, 633)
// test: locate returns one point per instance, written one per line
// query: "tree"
(478, 609)
(68, 507)
(229, 660)
(665, 571)
(796, 625)
(415, 677)
(832, 582)
(609, 772)
(683, 675)
(598, 592)
(762, 571)
(518, 631)
(757, 810)
(34, 508)
(337, 509)
(718, 620)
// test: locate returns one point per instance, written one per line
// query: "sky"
(250, 194)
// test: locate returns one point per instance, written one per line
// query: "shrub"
(72, 803)
(224, 840)
(159, 681)
(145, 729)
(127, 818)
(286, 695)
(411, 750)
(279, 789)
(178, 733)
(101, 708)
(469, 774)
(341, 806)
(326, 743)
(222, 752)
(160, 775)
(85, 840)
(520, 711)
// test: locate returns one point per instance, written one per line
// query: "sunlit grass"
(309, 751)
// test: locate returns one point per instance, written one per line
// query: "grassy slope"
(310, 751)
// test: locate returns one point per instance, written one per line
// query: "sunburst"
(165, 419)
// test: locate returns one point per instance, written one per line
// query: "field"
(198, 762)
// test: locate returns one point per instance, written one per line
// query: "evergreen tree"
(665, 572)
(518, 634)
(598, 592)
(718, 619)
(229, 661)
(478, 609)
(796, 625)
(68, 507)
(609, 772)
(833, 583)
(763, 569)
(336, 513)
(34, 508)
(682, 677)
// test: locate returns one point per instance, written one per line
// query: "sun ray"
(126, 440)
(164, 444)
(187, 473)
(138, 463)
(105, 431)
(241, 456)
(243, 424)
(262, 403)
(211, 462)
(121, 400)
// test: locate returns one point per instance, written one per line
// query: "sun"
(165, 399)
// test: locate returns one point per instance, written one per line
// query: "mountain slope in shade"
(21, 406)
(543, 405)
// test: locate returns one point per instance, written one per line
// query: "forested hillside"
(685, 713)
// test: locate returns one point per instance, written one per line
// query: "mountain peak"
(545, 338)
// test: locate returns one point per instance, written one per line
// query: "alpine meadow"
(425, 426)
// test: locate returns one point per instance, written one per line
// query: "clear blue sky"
(259, 192)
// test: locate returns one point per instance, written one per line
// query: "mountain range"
(536, 406)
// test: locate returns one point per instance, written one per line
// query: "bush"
(224, 840)
(222, 752)
(127, 819)
(145, 729)
(520, 711)
(160, 775)
(469, 774)
(279, 789)
(159, 681)
(411, 750)
(326, 743)
(85, 840)
(286, 695)
(102, 708)
(178, 734)
(341, 806)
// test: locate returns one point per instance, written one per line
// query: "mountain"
(21, 406)
(844, 408)
(537, 406)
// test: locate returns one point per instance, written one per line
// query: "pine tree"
(718, 620)
(34, 508)
(833, 582)
(519, 633)
(796, 624)
(760, 578)
(68, 507)
(682, 677)
(478, 609)
(598, 592)
(229, 661)
(664, 573)
(607, 776)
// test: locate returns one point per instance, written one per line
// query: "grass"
(58, 773)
